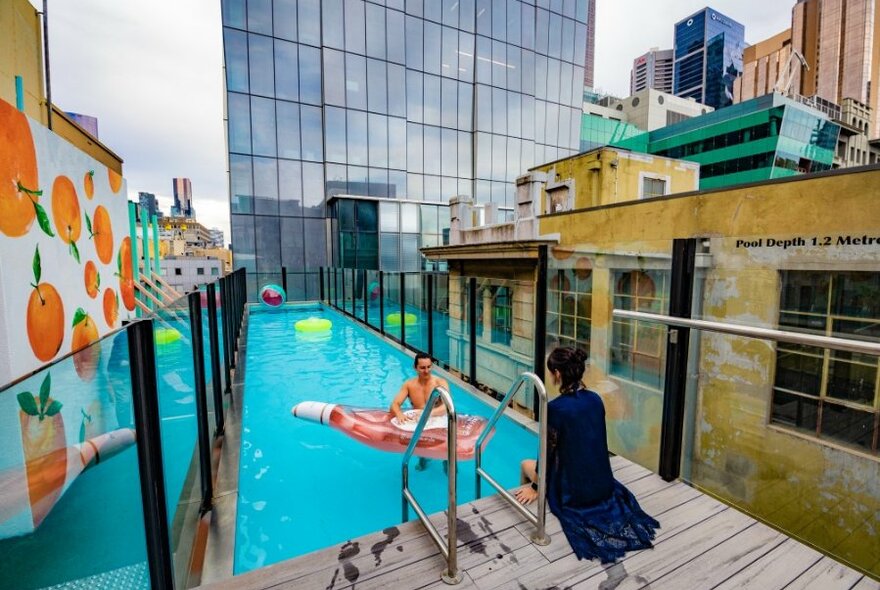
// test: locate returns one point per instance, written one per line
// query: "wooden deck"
(702, 544)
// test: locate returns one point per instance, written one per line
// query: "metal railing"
(831, 342)
(539, 537)
(449, 550)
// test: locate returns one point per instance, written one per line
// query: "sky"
(151, 72)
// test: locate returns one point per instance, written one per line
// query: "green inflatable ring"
(393, 319)
(164, 336)
(313, 325)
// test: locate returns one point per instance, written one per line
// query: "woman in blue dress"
(599, 516)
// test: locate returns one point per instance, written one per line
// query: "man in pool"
(418, 390)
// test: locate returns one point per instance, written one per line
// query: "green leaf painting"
(38, 271)
(43, 220)
(27, 403)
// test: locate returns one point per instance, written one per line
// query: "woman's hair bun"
(580, 354)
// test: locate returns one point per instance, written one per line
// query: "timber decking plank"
(765, 573)
(866, 583)
(504, 571)
(824, 574)
(723, 560)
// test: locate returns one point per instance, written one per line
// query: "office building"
(382, 107)
(150, 204)
(708, 57)
(768, 66)
(182, 199)
(839, 43)
(217, 237)
(771, 136)
(589, 60)
(652, 70)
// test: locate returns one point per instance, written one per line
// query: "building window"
(178, 272)
(200, 270)
(215, 271)
(495, 313)
(831, 394)
(652, 187)
(570, 307)
(638, 349)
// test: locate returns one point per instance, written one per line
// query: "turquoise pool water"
(303, 486)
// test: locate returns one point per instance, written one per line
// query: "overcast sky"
(151, 72)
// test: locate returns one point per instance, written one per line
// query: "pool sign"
(803, 241)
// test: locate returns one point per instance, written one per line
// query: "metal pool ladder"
(449, 551)
(539, 537)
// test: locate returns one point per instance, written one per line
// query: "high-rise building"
(652, 70)
(148, 201)
(351, 124)
(183, 199)
(767, 66)
(589, 60)
(216, 237)
(839, 41)
(708, 57)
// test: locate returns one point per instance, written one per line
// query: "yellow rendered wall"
(610, 176)
(21, 55)
(819, 491)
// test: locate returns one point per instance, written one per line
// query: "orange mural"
(92, 279)
(85, 332)
(66, 213)
(89, 183)
(115, 180)
(44, 444)
(111, 307)
(19, 191)
(102, 232)
(45, 315)
(125, 274)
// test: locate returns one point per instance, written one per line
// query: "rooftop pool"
(303, 486)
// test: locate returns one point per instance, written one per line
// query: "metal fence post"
(382, 302)
(366, 299)
(195, 320)
(321, 284)
(215, 359)
(228, 361)
(472, 320)
(145, 397)
(402, 308)
(430, 278)
(284, 279)
(540, 323)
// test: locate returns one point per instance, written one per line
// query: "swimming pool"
(303, 486)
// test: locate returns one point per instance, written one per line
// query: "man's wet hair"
(419, 356)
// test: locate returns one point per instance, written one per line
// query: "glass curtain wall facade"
(415, 101)
(708, 57)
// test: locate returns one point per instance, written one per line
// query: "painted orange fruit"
(115, 180)
(87, 355)
(44, 317)
(102, 232)
(19, 192)
(89, 184)
(92, 279)
(125, 274)
(45, 449)
(111, 307)
(66, 213)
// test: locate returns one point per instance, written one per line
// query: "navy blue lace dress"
(600, 517)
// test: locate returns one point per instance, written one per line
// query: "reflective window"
(378, 182)
(484, 60)
(432, 100)
(389, 255)
(396, 184)
(464, 155)
(354, 27)
(266, 186)
(292, 243)
(313, 190)
(356, 81)
(499, 157)
(396, 37)
(288, 129)
(388, 216)
(284, 19)
(638, 349)
(499, 110)
(499, 64)
(414, 40)
(309, 13)
(312, 133)
(309, 74)
(411, 259)
(397, 145)
(286, 72)
(289, 187)
(432, 189)
(378, 134)
(499, 20)
(528, 29)
(263, 126)
(241, 184)
(375, 31)
(414, 96)
(414, 147)
(239, 123)
(334, 72)
(449, 147)
(233, 12)
(332, 24)
(409, 218)
(262, 76)
(449, 103)
(244, 255)
(397, 90)
(433, 43)
(334, 131)
(484, 17)
(514, 25)
(235, 44)
(357, 138)
(267, 232)
(466, 15)
(465, 106)
(259, 13)
(449, 53)
(414, 187)
(335, 176)
(377, 86)
(432, 149)
(465, 57)
(315, 240)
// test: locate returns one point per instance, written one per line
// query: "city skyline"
(165, 116)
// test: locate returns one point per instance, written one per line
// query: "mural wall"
(65, 255)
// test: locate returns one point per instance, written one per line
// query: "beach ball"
(272, 296)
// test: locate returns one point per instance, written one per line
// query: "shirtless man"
(418, 389)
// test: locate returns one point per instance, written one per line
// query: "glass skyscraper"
(708, 57)
(387, 103)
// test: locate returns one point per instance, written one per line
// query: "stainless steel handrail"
(449, 551)
(755, 332)
(539, 519)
